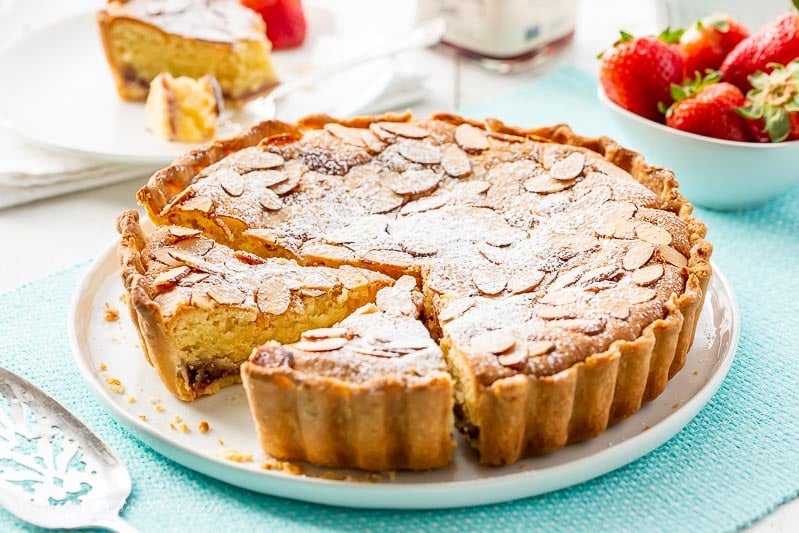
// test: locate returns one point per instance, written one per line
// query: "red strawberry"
(285, 21)
(706, 43)
(774, 102)
(706, 107)
(636, 73)
(776, 42)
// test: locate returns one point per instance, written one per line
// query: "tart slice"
(222, 38)
(371, 392)
(201, 307)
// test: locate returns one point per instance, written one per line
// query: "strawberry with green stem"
(706, 42)
(774, 101)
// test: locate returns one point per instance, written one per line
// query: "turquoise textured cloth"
(732, 465)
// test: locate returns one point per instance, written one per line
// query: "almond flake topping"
(477, 186)
(269, 200)
(404, 129)
(367, 349)
(388, 257)
(267, 178)
(383, 201)
(231, 182)
(620, 310)
(347, 135)
(162, 255)
(254, 158)
(495, 342)
(273, 296)
(321, 345)
(420, 152)
(514, 359)
(413, 182)
(638, 255)
(194, 245)
(289, 184)
(372, 142)
(198, 203)
(536, 348)
(455, 162)
(470, 138)
(226, 295)
(326, 333)
(648, 274)
(489, 281)
(171, 276)
(182, 233)
(521, 281)
(554, 312)
(455, 308)
(193, 279)
(327, 252)
(545, 184)
(351, 278)
(670, 255)
(638, 295)
(652, 234)
(426, 203)
(248, 258)
(569, 167)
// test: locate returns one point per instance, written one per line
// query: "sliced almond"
(194, 261)
(554, 312)
(496, 342)
(477, 186)
(395, 258)
(269, 200)
(193, 278)
(198, 203)
(395, 301)
(584, 326)
(171, 276)
(638, 255)
(489, 281)
(670, 255)
(224, 295)
(383, 201)
(254, 158)
(455, 308)
(414, 182)
(521, 281)
(536, 348)
(351, 278)
(506, 237)
(470, 138)
(638, 295)
(420, 152)
(248, 258)
(194, 245)
(455, 162)
(264, 235)
(492, 253)
(289, 184)
(273, 296)
(231, 182)
(312, 293)
(420, 248)
(319, 279)
(514, 359)
(647, 275)
(652, 234)
(326, 253)
(347, 135)
(620, 310)
(267, 178)
(569, 167)
(545, 184)
(426, 203)
(162, 256)
(381, 133)
(182, 233)
(404, 129)
(321, 345)
(373, 144)
(366, 349)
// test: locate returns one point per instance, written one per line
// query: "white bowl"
(712, 172)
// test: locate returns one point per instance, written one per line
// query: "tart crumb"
(676, 405)
(233, 397)
(695, 372)
(338, 476)
(172, 426)
(102, 367)
(123, 297)
(220, 442)
(237, 456)
(184, 428)
(392, 474)
(283, 466)
(177, 419)
(158, 407)
(154, 399)
(115, 385)
(143, 418)
(110, 312)
(203, 427)
(131, 399)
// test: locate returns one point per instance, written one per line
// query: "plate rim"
(449, 494)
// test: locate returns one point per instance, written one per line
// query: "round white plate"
(116, 345)
(69, 99)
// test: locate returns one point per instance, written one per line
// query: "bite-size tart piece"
(200, 307)
(194, 38)
(371, 392)
(183, 109)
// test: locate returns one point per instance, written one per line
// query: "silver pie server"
(54, 471)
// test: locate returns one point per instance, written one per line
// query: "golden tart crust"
(562, 275)
(372, 392)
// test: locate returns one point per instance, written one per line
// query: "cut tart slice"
(562, 275)
(372, 392)
(200, 307)
(183, 109)
(222, 38)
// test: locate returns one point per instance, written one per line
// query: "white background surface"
(48, 236)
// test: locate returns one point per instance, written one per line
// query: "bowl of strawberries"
(715, 103)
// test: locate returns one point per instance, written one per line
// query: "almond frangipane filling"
(534, 257)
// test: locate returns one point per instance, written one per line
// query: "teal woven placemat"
(733, 464)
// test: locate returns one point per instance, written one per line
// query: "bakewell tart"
(562, 275)
(200, 307)
(222, 38)
(372, 392)
(183, 109)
